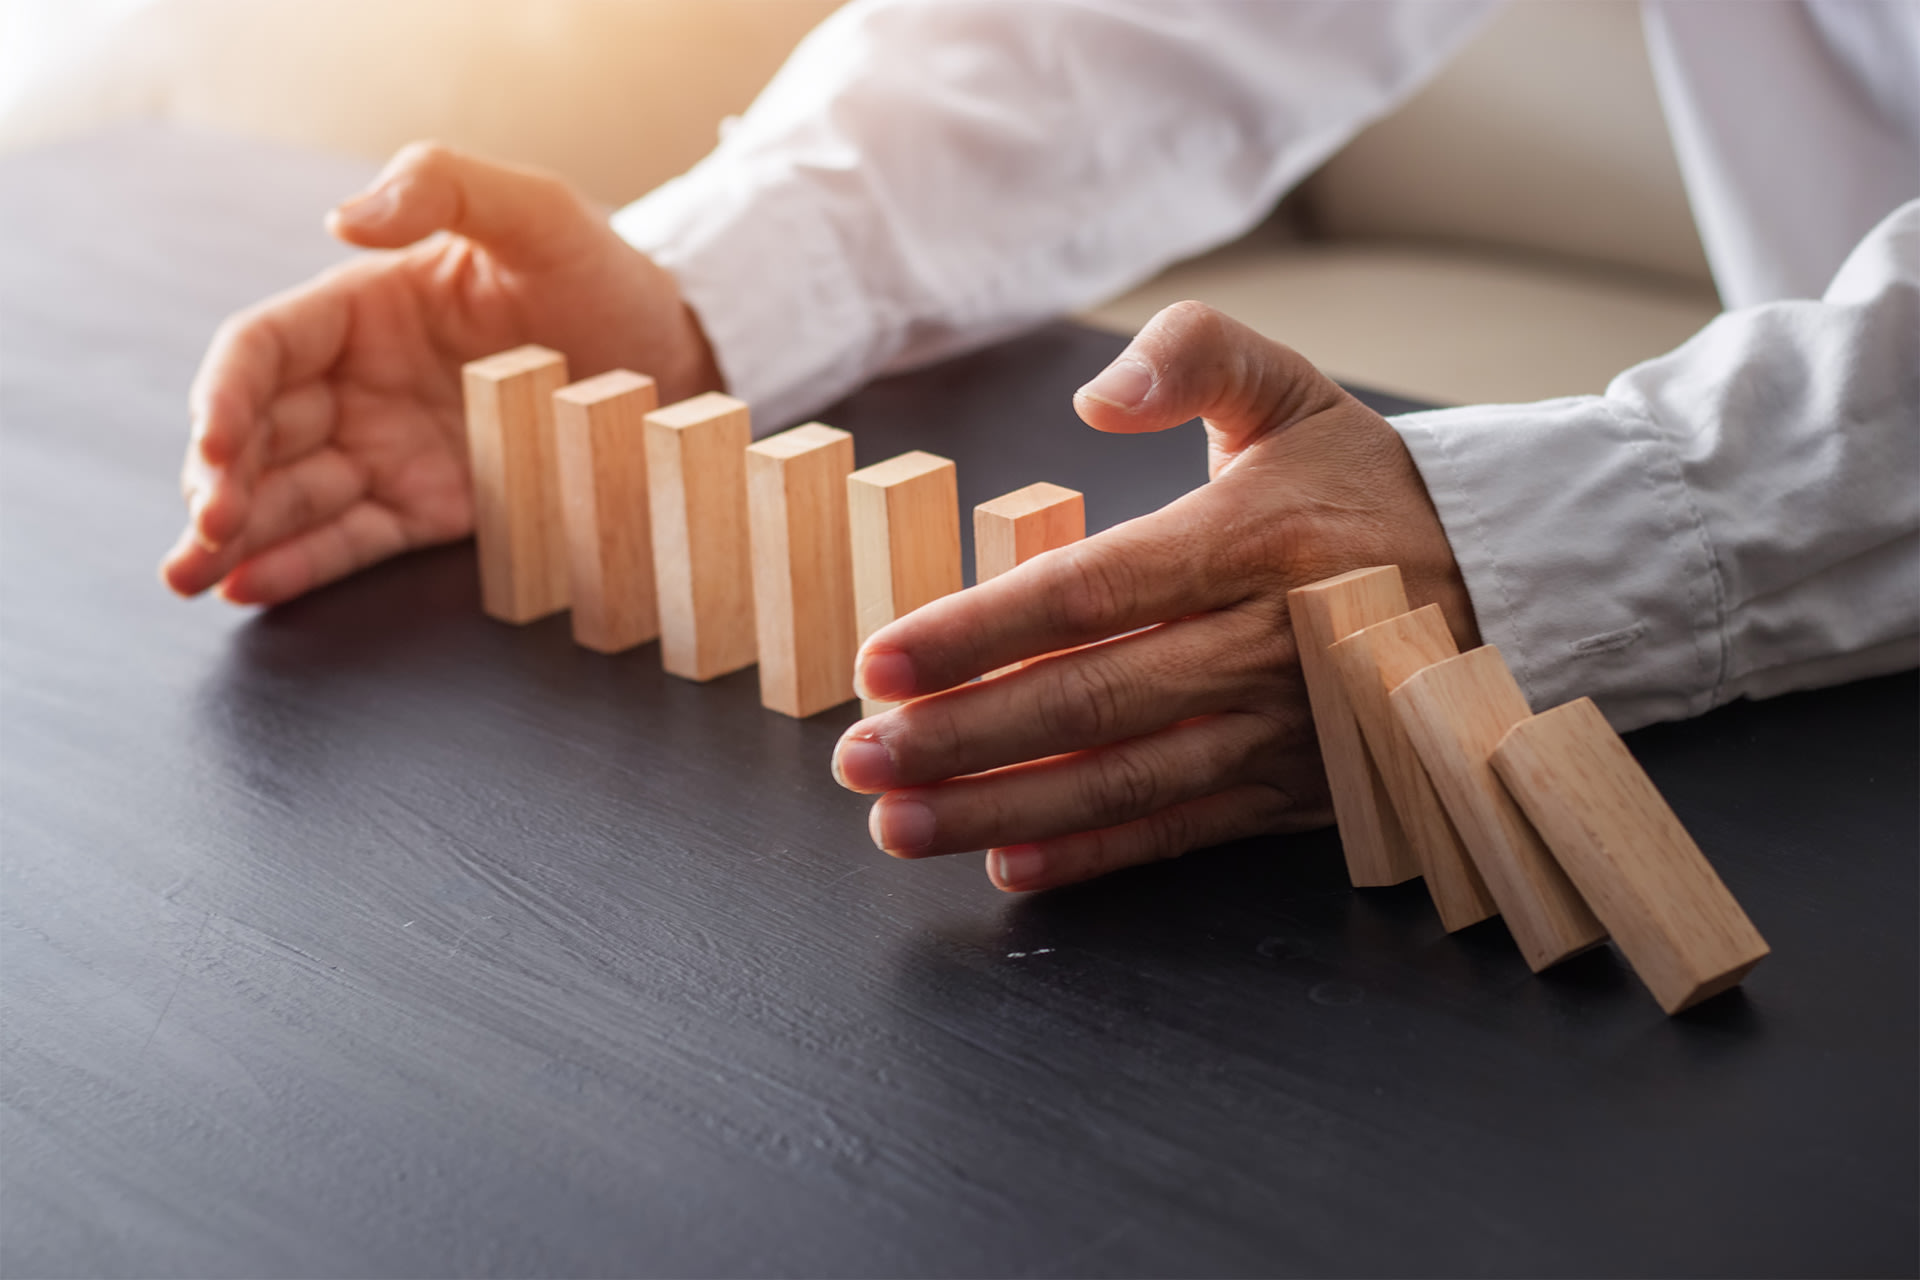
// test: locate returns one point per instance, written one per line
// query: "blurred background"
(1516, 231)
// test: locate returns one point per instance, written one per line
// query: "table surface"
(370, 937)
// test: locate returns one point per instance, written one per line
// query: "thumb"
(1192, 361)
(521, 215)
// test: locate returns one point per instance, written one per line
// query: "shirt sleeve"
(927, 175)
(1737, 518)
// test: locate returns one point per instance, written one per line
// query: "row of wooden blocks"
(1439, 769)
(671, 523)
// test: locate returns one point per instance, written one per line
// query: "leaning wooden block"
(1018, 526)
(517, 523)
(802, 567)
(697, 485)
(1455, 712)
(1371, 662)
(904, 515)
(1377, 849)
(600, 438)
(1628, 854)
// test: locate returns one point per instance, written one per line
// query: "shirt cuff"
(1586, 558)
(764, 270)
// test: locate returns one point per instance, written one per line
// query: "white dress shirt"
(1741, 516)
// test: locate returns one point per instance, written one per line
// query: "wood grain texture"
(802, 567)
(1371, 662)
(1015, 527)
(1455, 712)
(904, 516)
(601, 442)
(702, 557)
(365, 936)
(517, 521)
(1377, 848)
(1628, 854)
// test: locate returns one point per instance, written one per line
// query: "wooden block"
(697, 486)
(1018, 526)
(1627, 853)
(600, 437)
(904, 515)
(1455, 712)
(517, 524)
(1378, 851)
(802, 567)
(1371, 662)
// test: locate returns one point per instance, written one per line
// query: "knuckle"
(1125, 786)
(1085, 706)
(930, 742)
(301, 508)
(1089, 593)
(1192, 318)
(1171, 833)
(425, 156)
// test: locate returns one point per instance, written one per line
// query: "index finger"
(1158, 567)
(257, 353)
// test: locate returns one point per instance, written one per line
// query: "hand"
(327, 424)
(1185, 723)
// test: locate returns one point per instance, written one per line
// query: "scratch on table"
(845, 876)
(180, 976)
(466, 933)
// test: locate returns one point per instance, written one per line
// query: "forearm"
(1737, 518)
(923, 177)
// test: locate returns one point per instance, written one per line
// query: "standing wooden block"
(1378, 851)
(516, 482)
(1628, 854)
(1455, 712)
(1018, 526)
(802, 567)
(696, 478)
(1371, 662)
(905, 523)
(599, 427)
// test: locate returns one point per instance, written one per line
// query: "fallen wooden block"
(600, 440)
(696, 479)
(517, 525)
(1455, 712)
(904, 516)
(1377, 849)
(802, 567)
(1371, 662)
(1628, 855)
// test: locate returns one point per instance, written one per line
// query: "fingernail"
(1124, 384)
(900, 826)
(372, 206)
(1016, 866)
(885, 676)
(863, 764)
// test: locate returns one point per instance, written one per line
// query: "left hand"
(1184, 723)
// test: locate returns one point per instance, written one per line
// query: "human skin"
(327, 430)
(328, 435)
(1184, 721)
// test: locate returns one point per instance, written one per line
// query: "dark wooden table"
(369, 937)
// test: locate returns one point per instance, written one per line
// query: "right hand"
(327, 424)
